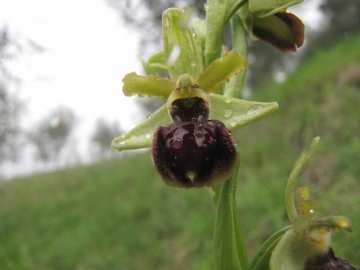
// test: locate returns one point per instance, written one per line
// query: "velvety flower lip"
(283, 30)
(194, 154)
(192, 151)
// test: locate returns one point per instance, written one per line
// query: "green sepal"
(221, 70)
(261, 260)
(263, 8)
(147, 85)
(141, 136)
(181, 41)
(234, 113)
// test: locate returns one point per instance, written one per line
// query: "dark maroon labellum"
(193, 146)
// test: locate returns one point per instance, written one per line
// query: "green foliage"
(104, 217)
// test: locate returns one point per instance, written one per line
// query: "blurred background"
(75, 203)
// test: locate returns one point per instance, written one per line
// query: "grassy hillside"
(119, 214)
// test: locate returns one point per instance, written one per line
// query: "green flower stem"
(229, 245)
(294, 175)
(218, 13)
(239, 40)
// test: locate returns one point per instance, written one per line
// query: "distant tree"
(341, 20)
(52, 134)
(104, 133)
(10, 105)
(10, 108)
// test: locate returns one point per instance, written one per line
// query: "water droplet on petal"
(122, 136)
(254, 109)
(148, 136)
(227, 100)
(233, 123)
(228, 113)
(122, 143)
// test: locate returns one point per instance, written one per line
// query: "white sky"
(88, 53)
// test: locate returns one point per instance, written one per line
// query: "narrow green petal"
(150, 85)
(221, 70)
(141, 136)
(155, 63)
(236, 113)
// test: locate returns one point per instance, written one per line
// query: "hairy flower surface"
(193, 145)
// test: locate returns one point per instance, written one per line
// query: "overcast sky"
(88, 51)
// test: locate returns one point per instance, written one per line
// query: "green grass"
(119, 214)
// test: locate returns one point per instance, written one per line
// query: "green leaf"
(264, 8)
(181, 52)
(227, 238)
(236, 113)
(221, 70)
(150, 85)
(141, 136)
(261, 261)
